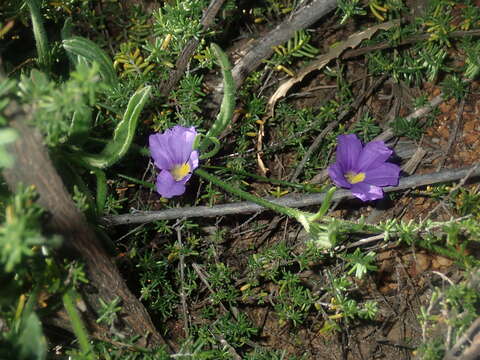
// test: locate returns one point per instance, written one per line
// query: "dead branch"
(294, 200)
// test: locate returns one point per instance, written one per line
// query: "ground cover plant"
(277, 179)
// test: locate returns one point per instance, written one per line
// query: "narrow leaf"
(77, 325)
(40, 35)
(228, 103)
(92, 52)
(123, 135)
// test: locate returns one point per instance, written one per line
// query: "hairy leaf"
(123, 135)
(92, 52)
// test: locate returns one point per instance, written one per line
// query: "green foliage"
(156, 289)
(297, 47)
(407, 127)
(268, 354)
(131, 62)
(61, 110)
(27, 273)
(344, 306)
(88, 50)
(25, 339)
(78, 111)
(7, 136)
(472, 63)
(187, 100)
(177, 21)
(225, 114)
(40, 35)
(467, 202)
(350, 8)
(20, 235)
(77, 325)
(235, 331)
(455, 306)
(423, 61)
(273, 9)
(360, 263)
(438, 20)
(108, 311)
(294, 300)
(366, 128)
(221, 279)
(454, 87)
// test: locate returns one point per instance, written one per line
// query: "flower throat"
(180, 171)
(354, 178)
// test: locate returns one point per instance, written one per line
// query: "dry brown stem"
(34, 167)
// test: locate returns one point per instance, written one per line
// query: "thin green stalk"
(101, 190)
(77, 325)
(247, 196)
(305, 187)
(41, 40)
(325, 205)
(139, 182)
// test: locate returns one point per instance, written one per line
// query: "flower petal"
(374, 153)
(384, 175)
(335, 172)
(348, 150)
(193, 161)
(181, 143)
(367, 192)
(167, 187)
(159, 149)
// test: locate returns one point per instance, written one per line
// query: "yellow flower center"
(353, 178)
(180, 171)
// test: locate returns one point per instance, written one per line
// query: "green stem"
(247, 196)
(136, 181)
(325, 205)
(101, 190)
(77, 325)
(41, 40)
(305, 187)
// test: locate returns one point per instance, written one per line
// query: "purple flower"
(173, 154)
(363, 169)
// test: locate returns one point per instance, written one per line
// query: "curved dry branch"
(34, 167)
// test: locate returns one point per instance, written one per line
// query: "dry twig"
(453, 135)
(294, 200)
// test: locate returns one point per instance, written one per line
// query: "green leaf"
(123, 135)
(40, 35)
(77, 325)
(89, 50)
(228, 103)
(31, 341)
(80, 125)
